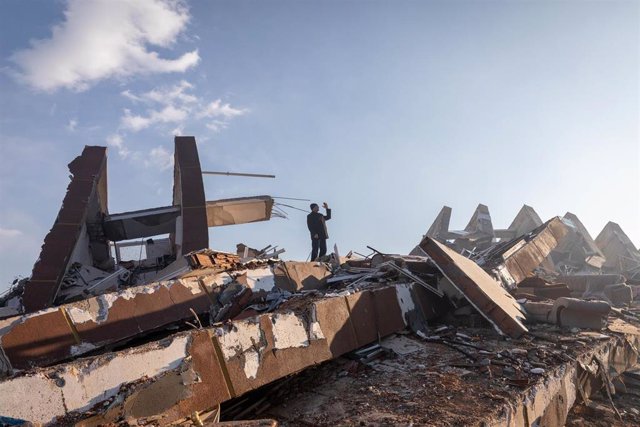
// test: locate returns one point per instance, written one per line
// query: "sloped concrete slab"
(480, 289)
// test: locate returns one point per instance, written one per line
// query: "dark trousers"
(318, 244)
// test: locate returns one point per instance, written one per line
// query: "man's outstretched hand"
(325, 205)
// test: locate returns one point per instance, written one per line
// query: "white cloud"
(165, 95)
(170, 109)
(159, 157)
(101, 39)
(177, 131)
(218, 109)
(168, 114)
(134, 122)
(176, 105)
(72, 125)
(7, 233)
(216, 125)
(116, 141)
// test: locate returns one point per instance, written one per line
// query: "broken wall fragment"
(76, 225)
(480, 289)
(515, 260)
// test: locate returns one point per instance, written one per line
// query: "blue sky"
(386, 110)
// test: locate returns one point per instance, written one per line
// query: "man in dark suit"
(318, 229)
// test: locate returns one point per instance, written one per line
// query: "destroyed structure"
(530, 320)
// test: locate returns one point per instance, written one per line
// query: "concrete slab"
(363, 317)
(35, 340)
(480, 289)
(334, 321)
(294, 276)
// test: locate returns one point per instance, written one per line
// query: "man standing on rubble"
(318, 229)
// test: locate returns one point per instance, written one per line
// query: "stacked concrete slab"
(199, 369)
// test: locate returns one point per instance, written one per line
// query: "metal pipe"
(254, 175)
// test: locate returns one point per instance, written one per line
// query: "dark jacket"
(316, 224)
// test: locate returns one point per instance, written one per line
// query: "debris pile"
(531, 320)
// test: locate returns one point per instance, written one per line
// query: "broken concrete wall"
(86, 197)
(73, 329)
(176, 376)
(56, 334)
(621, 254)
(516, 260)
(192, 232)
(577, 251)
(199, 369)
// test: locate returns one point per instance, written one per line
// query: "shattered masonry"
(93, 338)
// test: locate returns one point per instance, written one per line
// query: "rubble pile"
(531, 320)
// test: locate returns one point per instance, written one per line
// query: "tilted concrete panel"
(480, 289)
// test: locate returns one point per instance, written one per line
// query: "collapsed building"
(533, 320)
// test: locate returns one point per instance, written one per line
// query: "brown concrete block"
(387, 310)
(50, 267)
(152, 310)
(78, 192)
(363, 317)
(38, 340)
(242, 347)
(72, 215)
(514, 269)
(192, 187)
(528, 258)
(38, 294)
(177, 395)
(186, 151)
(208, 366)
(557, 228)
(333, 316)
(286, 353)
(545, 242)
(293, 276)
(116, 323)
(277, 345)
(188, 297)
(195, 231)
(89, 163)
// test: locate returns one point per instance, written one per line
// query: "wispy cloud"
(72, 125)
(218, 109)
(116, 141)
(176, 105)
(159, 157)
(7, 233)
(170, 110)
(101, 39)
(168, 114)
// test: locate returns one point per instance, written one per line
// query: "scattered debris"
(186, 335)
